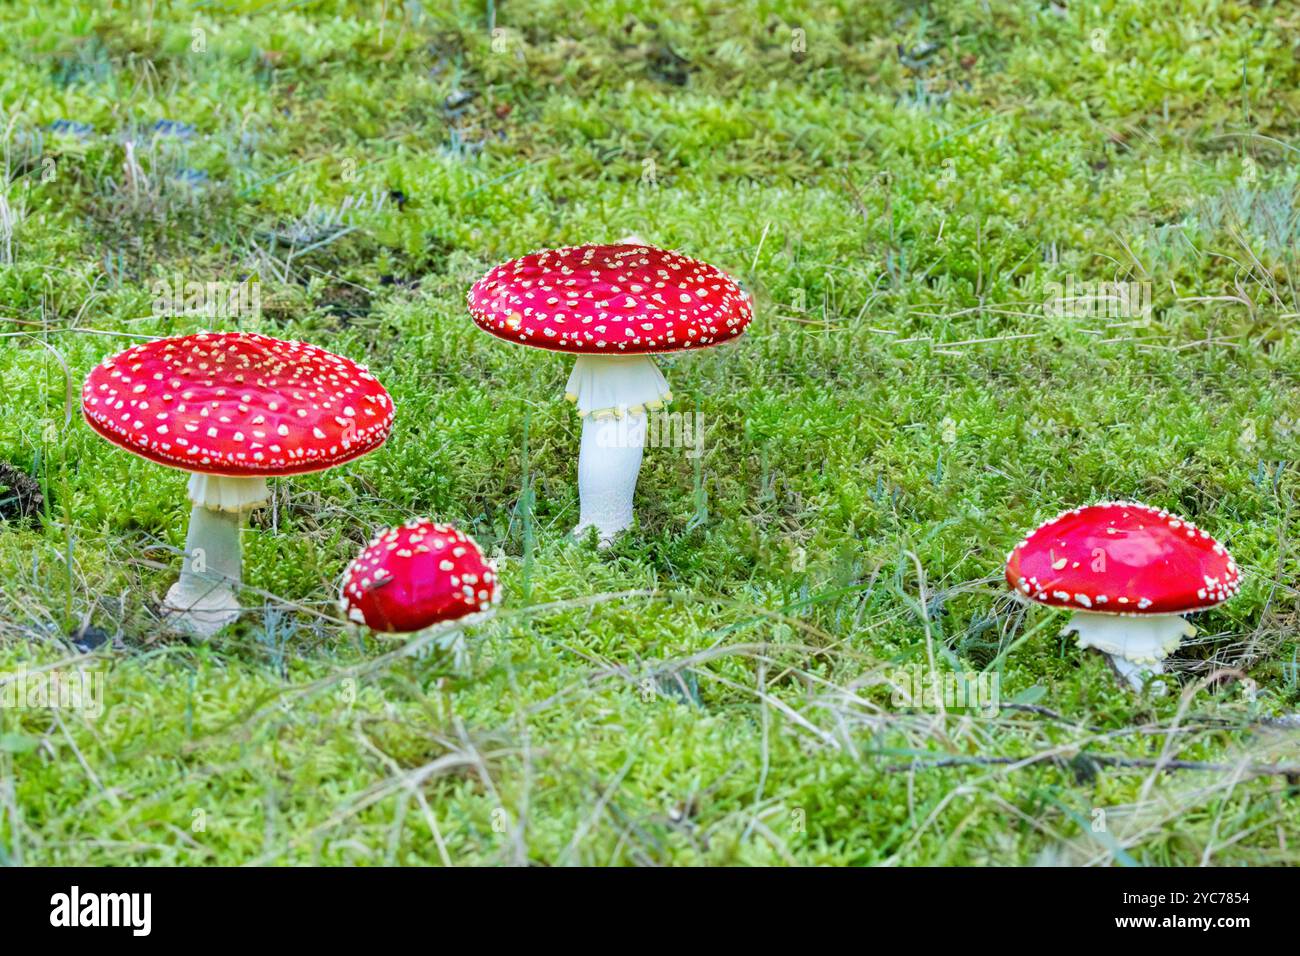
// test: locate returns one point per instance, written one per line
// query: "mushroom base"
(608, 466)
(203, 601)
(1136, 645)
(451, 644)
(446, 637)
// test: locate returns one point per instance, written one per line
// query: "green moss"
(717, 687)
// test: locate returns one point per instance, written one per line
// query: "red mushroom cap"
(416, 575)
(238, 404)
(1122, 557)
(610, 299)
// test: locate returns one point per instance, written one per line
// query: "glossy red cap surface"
(1122, 557)
(237, 403)
(620, 299)
(417, 575)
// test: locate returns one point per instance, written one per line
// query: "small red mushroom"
(614, 306)
(1128, 571)
(232, 409)
(417, 575)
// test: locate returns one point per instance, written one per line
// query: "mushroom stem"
(203, 600)
(604, 385)
(608, 466)
(1136, 645)
(614, 394)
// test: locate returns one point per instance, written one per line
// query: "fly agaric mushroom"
(614, 306)
(232, 409)
(417, 575)
(1128, 571)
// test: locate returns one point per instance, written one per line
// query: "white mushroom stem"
(203, 600)
(1136, 645)
(608, 466)
(614, 394)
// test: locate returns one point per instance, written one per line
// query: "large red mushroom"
(232, 409)
(613, 306)
(1128, 572)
